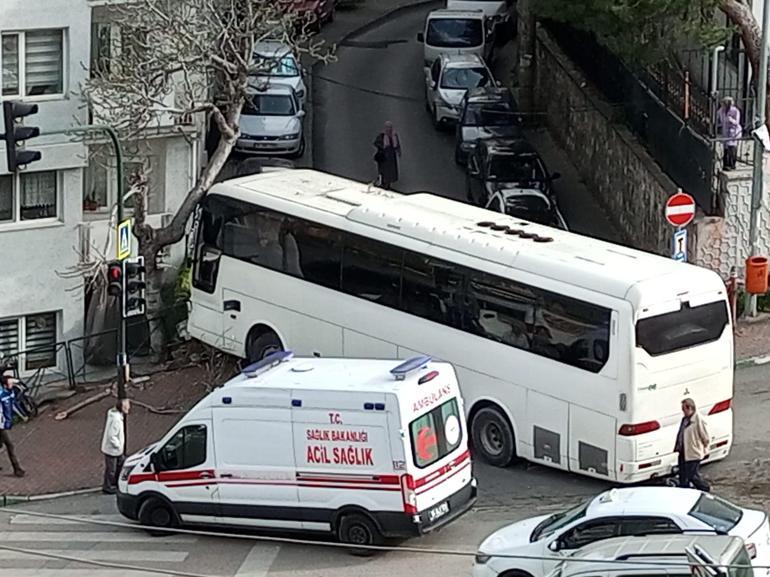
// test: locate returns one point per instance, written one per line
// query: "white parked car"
(271, 123)
(277, 64)
(497, 10)
(456, 32)
(530, 204)
(616, 513)
(447, 81)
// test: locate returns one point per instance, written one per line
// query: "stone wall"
(720, 243)
(625, 179)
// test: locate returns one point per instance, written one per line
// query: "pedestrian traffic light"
(16, 134)
(115, 278)
(134, 287)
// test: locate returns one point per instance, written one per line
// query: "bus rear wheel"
(261, 344)
(493, 437)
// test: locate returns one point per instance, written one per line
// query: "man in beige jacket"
(692, 443)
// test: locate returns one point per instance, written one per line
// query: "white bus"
(571, 352)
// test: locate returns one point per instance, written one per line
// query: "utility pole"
(121, 357)
(757, 192)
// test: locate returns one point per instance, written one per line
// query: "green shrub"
(174, 297)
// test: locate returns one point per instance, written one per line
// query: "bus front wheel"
(261, 344)
(493, 437)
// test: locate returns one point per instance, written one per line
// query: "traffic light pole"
(122, 357)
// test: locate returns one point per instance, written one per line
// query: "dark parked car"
(527, 204)
(497, 164)
(313, 12)
(486, 112)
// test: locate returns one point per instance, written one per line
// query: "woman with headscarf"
(388, 147)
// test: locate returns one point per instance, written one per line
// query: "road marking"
(91, 537)
(258, 561)
(75, 573)
(135, 556)
(34, 520)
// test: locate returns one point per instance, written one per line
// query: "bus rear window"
(687, 327)
(436, 434)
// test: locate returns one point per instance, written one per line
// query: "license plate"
(438, 512)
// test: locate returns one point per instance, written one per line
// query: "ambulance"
(362, 449)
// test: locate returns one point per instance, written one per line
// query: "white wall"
(31, 253)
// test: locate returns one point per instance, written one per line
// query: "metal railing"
(672, 116)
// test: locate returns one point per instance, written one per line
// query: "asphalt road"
(505, 495)
(378, 76)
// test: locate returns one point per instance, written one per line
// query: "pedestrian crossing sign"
(124, 239)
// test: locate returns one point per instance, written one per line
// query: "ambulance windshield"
(436, 433)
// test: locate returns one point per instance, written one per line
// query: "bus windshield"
(687, 327)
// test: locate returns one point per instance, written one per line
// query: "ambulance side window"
(186, 449)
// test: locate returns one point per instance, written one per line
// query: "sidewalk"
(752, 341)
(65, 455)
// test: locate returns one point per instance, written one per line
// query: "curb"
(8, 500)
(752, 362)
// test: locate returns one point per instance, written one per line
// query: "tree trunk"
(742, 17)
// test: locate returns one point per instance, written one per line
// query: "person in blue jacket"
(9, 407)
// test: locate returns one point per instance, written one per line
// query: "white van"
(456, 32)
(363, 449)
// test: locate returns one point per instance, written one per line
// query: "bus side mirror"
(420, 37)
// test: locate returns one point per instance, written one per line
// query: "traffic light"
(115, 278)
(15, 134)
(134, 287)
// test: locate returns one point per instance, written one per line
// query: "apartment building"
(55, 214)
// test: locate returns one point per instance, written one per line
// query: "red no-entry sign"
(680, 209)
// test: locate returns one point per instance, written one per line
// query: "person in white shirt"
(114, 445)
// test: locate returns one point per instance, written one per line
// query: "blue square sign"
(679, 248)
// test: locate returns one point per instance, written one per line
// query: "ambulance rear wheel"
(357, 529)
(156, 513)
(493, 437)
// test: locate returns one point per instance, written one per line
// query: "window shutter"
(40, 341)
(43, 62)
(9, 338)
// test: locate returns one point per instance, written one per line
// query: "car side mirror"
(420, 37)
(556, 176)
(155, 462)
(555, 545)
(301, 113)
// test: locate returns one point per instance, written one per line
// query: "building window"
(29, 196)
(34, 336)
(32, 63)
(100, 192)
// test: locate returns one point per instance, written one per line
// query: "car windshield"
(285, 67)
(455, 32)
(270, 105)
(464, 78)
(489, 114)
(558, 521)
(514, 169)
(716, 512)
(531, 208)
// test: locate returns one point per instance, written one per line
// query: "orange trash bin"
(756, 275)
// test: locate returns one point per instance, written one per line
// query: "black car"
(497, 164)
(486, 112)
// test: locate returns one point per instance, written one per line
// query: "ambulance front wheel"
(157, 513)
(492, 437)
(357, 529)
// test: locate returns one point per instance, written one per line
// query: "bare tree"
(186, 60)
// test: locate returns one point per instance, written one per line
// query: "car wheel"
(261, 345)
(330, 18)
(301, 149)
(493, 437)
(515, 573)
(458, 156)
(437, 124)
(357, 529)
(157, 513)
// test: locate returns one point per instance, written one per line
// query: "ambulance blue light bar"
(267, 363)
(409, 365)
